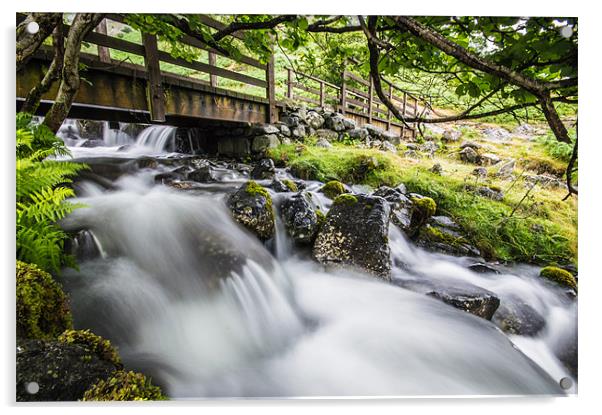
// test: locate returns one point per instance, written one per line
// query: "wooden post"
(344, 92)
(370, 100)
(388, 110)
(104, 54)
(212, 62)
(403, 112)
(289, 92)
(322, 94)
(154, 85)
(271, 91)
(415, 114)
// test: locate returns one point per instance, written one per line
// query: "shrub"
(124, 386)
(41, 195)
(42, 306)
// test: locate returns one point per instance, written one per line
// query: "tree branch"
(238, 26)
(28, 43)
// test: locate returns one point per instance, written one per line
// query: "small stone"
(437, 169)
(323, 143)
(264, 169)
(469, 155)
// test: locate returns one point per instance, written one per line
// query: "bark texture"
(28, 43)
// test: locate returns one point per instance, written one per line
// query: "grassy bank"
(543, 229)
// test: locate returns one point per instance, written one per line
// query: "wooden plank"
(212, 60)
(210, 69)
(322, 94)
(301, 75)
(308, 100)
(370, 100)
(154, 85)
(358, 79)
(305, 88)
(290, 93)
(344, 92)
(112, 42)
(270, 77)
(103, 52)
(191, 41)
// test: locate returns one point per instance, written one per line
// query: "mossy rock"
(292, 186)
(345, 199)
(94, 343)
(332, 189)
(422, 209)
(124, 386)
(559, 276)
(42, 307)
(251, 206)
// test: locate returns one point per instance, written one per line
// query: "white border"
(590, 128)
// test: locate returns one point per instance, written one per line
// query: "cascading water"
(158, 138)
(115, 137)
(197, 303)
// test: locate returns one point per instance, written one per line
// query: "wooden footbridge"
(139, 82)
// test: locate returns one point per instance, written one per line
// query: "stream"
(196, 302)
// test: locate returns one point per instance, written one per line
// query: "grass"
(542, 230)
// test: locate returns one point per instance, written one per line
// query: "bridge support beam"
(271, 91)
(154, 86)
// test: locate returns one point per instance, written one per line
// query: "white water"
(200, 305)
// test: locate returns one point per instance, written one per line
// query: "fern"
(42, 195)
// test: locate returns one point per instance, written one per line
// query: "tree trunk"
(82, 24)
(28, 43)
(32, 101)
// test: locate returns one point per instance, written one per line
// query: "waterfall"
(158, 138)
(115, 137)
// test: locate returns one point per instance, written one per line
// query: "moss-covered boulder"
(422, 209)
(355, 233)
(63, 371)
(559, 276)
(284, 186)
(333, 188)
(124, 386)
(42, 306)
(443, 235)
(251, 206)
(401, 205)
(300, 218)
(95, 344)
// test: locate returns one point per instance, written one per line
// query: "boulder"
(469, 155)
(437, 169)
(358, 134)
(323, 143)
(355, 233)
(517, 317)
(300, 218)
(491, 192)
(401, 206)
(63, 371)
(42, 306)
(327, 134)
(489, 159)
(374, 131)
(265, 129)
(391, 137)
(411, 154)
(264, 169)
(451, 135)
(471, 144)
(348, 123)
(506, 169)
(262, 142)
(422, 209)
(299, 132)
(481, 268)
(479, 172)
(336, 122)
(283, 186)
(387, 146)
(333, 188)
(496, 134)
(559, 276)
(291, 121)
(314, 120)
(203, 174)
(444, 235)
(472, 299)
(251, 206)
(284, 130)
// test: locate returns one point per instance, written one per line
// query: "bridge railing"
(355, 96)
(211, 69)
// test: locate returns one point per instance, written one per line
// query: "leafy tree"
(41, 195)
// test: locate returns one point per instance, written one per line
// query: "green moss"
(94, 343)
(253, 188)
(434, 234)
(292, 186)
(345, 199)
(487, 222)
(426, 206)
(332, 189)
(559, 276)
(124, 386)
(321, 217)
(42, 306)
